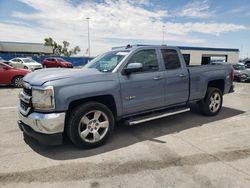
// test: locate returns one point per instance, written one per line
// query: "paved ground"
(185, 150)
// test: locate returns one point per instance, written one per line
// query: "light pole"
(163, 34)
(88, 37)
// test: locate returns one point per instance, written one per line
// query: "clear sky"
(210, 23)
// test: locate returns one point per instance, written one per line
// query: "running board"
(155, 116)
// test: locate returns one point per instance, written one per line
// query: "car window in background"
(60, 60)
(171, 58)
(147, 58)
(107, 61)
(239, 67)
(27, 60)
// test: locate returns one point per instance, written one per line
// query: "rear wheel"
(212, 102)
(90, 124)
(18, 81)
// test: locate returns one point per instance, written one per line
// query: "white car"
(25, 63)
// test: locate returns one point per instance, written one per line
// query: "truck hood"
(42, 76)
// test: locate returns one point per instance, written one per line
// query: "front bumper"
(46, 128)
(231, 90)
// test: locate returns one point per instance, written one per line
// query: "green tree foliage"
(61, 49)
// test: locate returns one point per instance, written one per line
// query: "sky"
(205, 23)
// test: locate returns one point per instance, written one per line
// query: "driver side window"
(147, 58)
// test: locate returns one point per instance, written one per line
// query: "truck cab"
(133, 84)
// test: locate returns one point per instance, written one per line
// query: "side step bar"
(155, 116)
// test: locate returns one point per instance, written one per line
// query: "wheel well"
(16, 77)
(219, 84)
(107, 100)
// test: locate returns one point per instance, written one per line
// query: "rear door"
(176, 77)
(143, 90)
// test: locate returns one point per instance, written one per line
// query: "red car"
(11, 76)
(56, 62)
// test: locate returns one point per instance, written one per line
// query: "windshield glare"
(28, 60)
(108, 61)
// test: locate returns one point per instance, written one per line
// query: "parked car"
(25, 63)
(241, 73)
(247, 64)
(11, 76)
(1, 59)
(56, 62)
(134, 84)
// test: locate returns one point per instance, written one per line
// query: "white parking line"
(8, 107)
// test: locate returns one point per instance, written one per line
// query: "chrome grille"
(25, 99)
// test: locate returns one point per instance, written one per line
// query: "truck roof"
(132, 47)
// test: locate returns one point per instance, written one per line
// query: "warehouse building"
(10, 50)
(203, 55)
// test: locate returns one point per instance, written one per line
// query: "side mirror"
(132, 67)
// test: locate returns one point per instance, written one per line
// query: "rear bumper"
(46, 139)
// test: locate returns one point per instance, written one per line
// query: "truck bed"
(200, 75)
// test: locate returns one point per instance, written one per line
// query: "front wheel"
(212, 102)
(18, 81)
(90, 124)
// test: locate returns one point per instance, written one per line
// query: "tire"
(17, 81)
(83, 120)
(25, 67)
(211, 104)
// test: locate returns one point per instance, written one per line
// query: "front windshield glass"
(239, 67)
(108, 61)
(27, 60)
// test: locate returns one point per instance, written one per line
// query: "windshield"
(2, 64)
(27, 60)
(108, 61)
(239, 67)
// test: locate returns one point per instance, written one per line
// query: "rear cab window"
(171, 59)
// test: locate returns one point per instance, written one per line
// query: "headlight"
(43, 98)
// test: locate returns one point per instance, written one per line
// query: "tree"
(61, 49)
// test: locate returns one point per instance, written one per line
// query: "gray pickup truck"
(134, 84)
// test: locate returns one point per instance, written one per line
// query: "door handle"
(157, 78)
(182, 75)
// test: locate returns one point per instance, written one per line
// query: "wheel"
(25, 67)
(90, 124)
(18, 81)
(212, 102)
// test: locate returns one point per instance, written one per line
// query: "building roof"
(25, 47)
(208, 49)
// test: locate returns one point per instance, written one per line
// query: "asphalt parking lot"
(185, 150)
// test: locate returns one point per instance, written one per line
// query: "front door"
(143, 90)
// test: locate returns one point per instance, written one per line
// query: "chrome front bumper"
(44, 123)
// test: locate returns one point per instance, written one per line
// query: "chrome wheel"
(215, 102)
(18, 82)
(93, 126)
